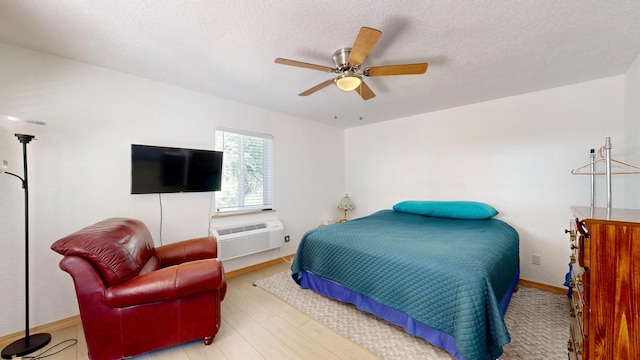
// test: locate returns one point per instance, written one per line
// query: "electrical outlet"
(287, 238)
(535, 259)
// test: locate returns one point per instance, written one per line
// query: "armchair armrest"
(187, 250)
(168, 284)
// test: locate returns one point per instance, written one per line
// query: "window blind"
(247, 170)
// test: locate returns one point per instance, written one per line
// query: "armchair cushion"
(125, 249)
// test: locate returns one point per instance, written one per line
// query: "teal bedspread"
(447, 274)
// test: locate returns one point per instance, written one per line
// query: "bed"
(442, 276)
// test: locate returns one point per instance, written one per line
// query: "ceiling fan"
(347, 63)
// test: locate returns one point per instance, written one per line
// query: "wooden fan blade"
(366, 40)
(364, 91)
(316, 88)
(406, 69)
(303, 65)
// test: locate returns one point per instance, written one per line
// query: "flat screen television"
(159, 169)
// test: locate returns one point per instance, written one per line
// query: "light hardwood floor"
(255, 325)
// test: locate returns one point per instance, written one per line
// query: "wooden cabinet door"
(614, 290)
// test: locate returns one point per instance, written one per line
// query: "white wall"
(632, 132)
(515, 154)
(79, 168)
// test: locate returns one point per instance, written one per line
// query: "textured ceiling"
(476, 50)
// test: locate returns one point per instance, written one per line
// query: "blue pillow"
(447, 209)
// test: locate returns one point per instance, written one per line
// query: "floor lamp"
(29, 343)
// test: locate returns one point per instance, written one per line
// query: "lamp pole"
(29, 343)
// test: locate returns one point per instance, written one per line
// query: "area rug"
(538, 322)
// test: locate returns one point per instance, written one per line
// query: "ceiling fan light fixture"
(348, 82)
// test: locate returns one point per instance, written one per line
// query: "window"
(246, 171)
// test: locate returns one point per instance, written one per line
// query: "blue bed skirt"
(333, 290)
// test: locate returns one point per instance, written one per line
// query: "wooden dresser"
(605, 280)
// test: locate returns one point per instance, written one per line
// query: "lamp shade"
(348, 82)
(345, 203)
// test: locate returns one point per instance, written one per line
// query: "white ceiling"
(476, 50)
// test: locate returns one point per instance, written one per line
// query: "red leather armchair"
(135, 298)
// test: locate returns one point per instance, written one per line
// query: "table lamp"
(346, 205)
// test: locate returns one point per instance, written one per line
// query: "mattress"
(448, 275)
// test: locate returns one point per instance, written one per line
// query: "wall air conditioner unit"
(240, 240)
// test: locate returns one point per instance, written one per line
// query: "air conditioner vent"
(241, 240)
(239, 229)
